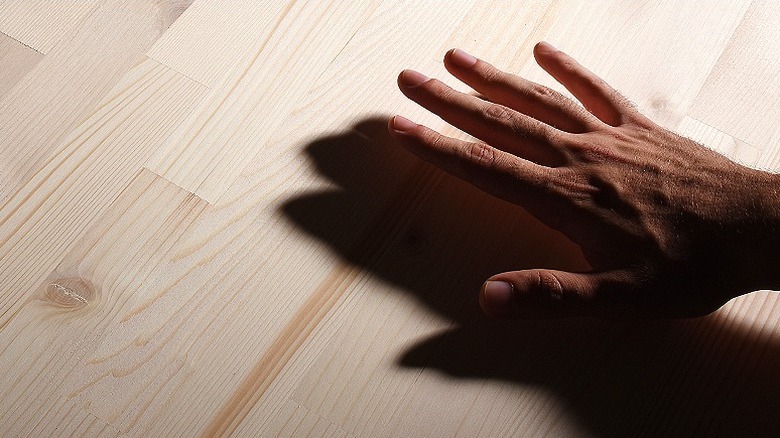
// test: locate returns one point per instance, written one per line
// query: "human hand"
(670, 228)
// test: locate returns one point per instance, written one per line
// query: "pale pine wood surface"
(205, 229)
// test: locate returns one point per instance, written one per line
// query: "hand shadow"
(438, 238)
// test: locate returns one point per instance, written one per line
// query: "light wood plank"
(16, 60)
(65, 419)
(196, 329)
(637, 48)
(739, 97)
(211, 43)
(64, 89)
(719, 141)
(295, 420)
(374, 313)
(93, 289)
(261, 330)
(42, 24)
(213, 147)
(325, 282)
(87, 170)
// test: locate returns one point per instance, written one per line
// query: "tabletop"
(206, 230)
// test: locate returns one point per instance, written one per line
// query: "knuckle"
(542, 92)
(593, 151)
(481, 154)
(439, 88)
(568, 63)
(498, 113)
(433, 139)
(549, 186)
(549, 283)
(492, 76)
(566, 183)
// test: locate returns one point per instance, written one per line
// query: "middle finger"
(527, 97)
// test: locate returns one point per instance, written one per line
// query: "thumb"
(542, 293)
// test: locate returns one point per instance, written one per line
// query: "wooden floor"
(205, 229)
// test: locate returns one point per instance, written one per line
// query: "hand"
(670, 228)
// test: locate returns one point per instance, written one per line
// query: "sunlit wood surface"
(206, 231)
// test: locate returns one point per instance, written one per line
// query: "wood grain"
(16, 60)
(40, 24)
(211, 150)
(747, 61)
(719, 141)
(640, 53)
(67, 418)
(206, 230)
(45, 217)
(86, 296)
(210, 41)
(64, 88)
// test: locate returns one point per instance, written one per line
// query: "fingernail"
(402, 124)
(544, 46)
(462, 59)
(497, 296)
(411, 78)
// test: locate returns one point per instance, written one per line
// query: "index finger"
(497, 172)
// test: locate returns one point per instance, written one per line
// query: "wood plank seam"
(137, 265)
(88, 60)
(721, 55)
(92, 138)
(46, 26)
(189, 192)
(737, 154)
(206, 88)
(235, 82)
(322, 302)
(22, 43)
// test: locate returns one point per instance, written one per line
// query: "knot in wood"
(72, 293)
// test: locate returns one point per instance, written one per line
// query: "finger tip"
(543, 50)
(399, 79)
(544, 46)
(401, 125)
(409, 78)
(497, 298)
(460, 58)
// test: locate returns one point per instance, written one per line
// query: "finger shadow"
(414, 226)
(437, 239)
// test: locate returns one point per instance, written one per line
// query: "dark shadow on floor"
(438, 239)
